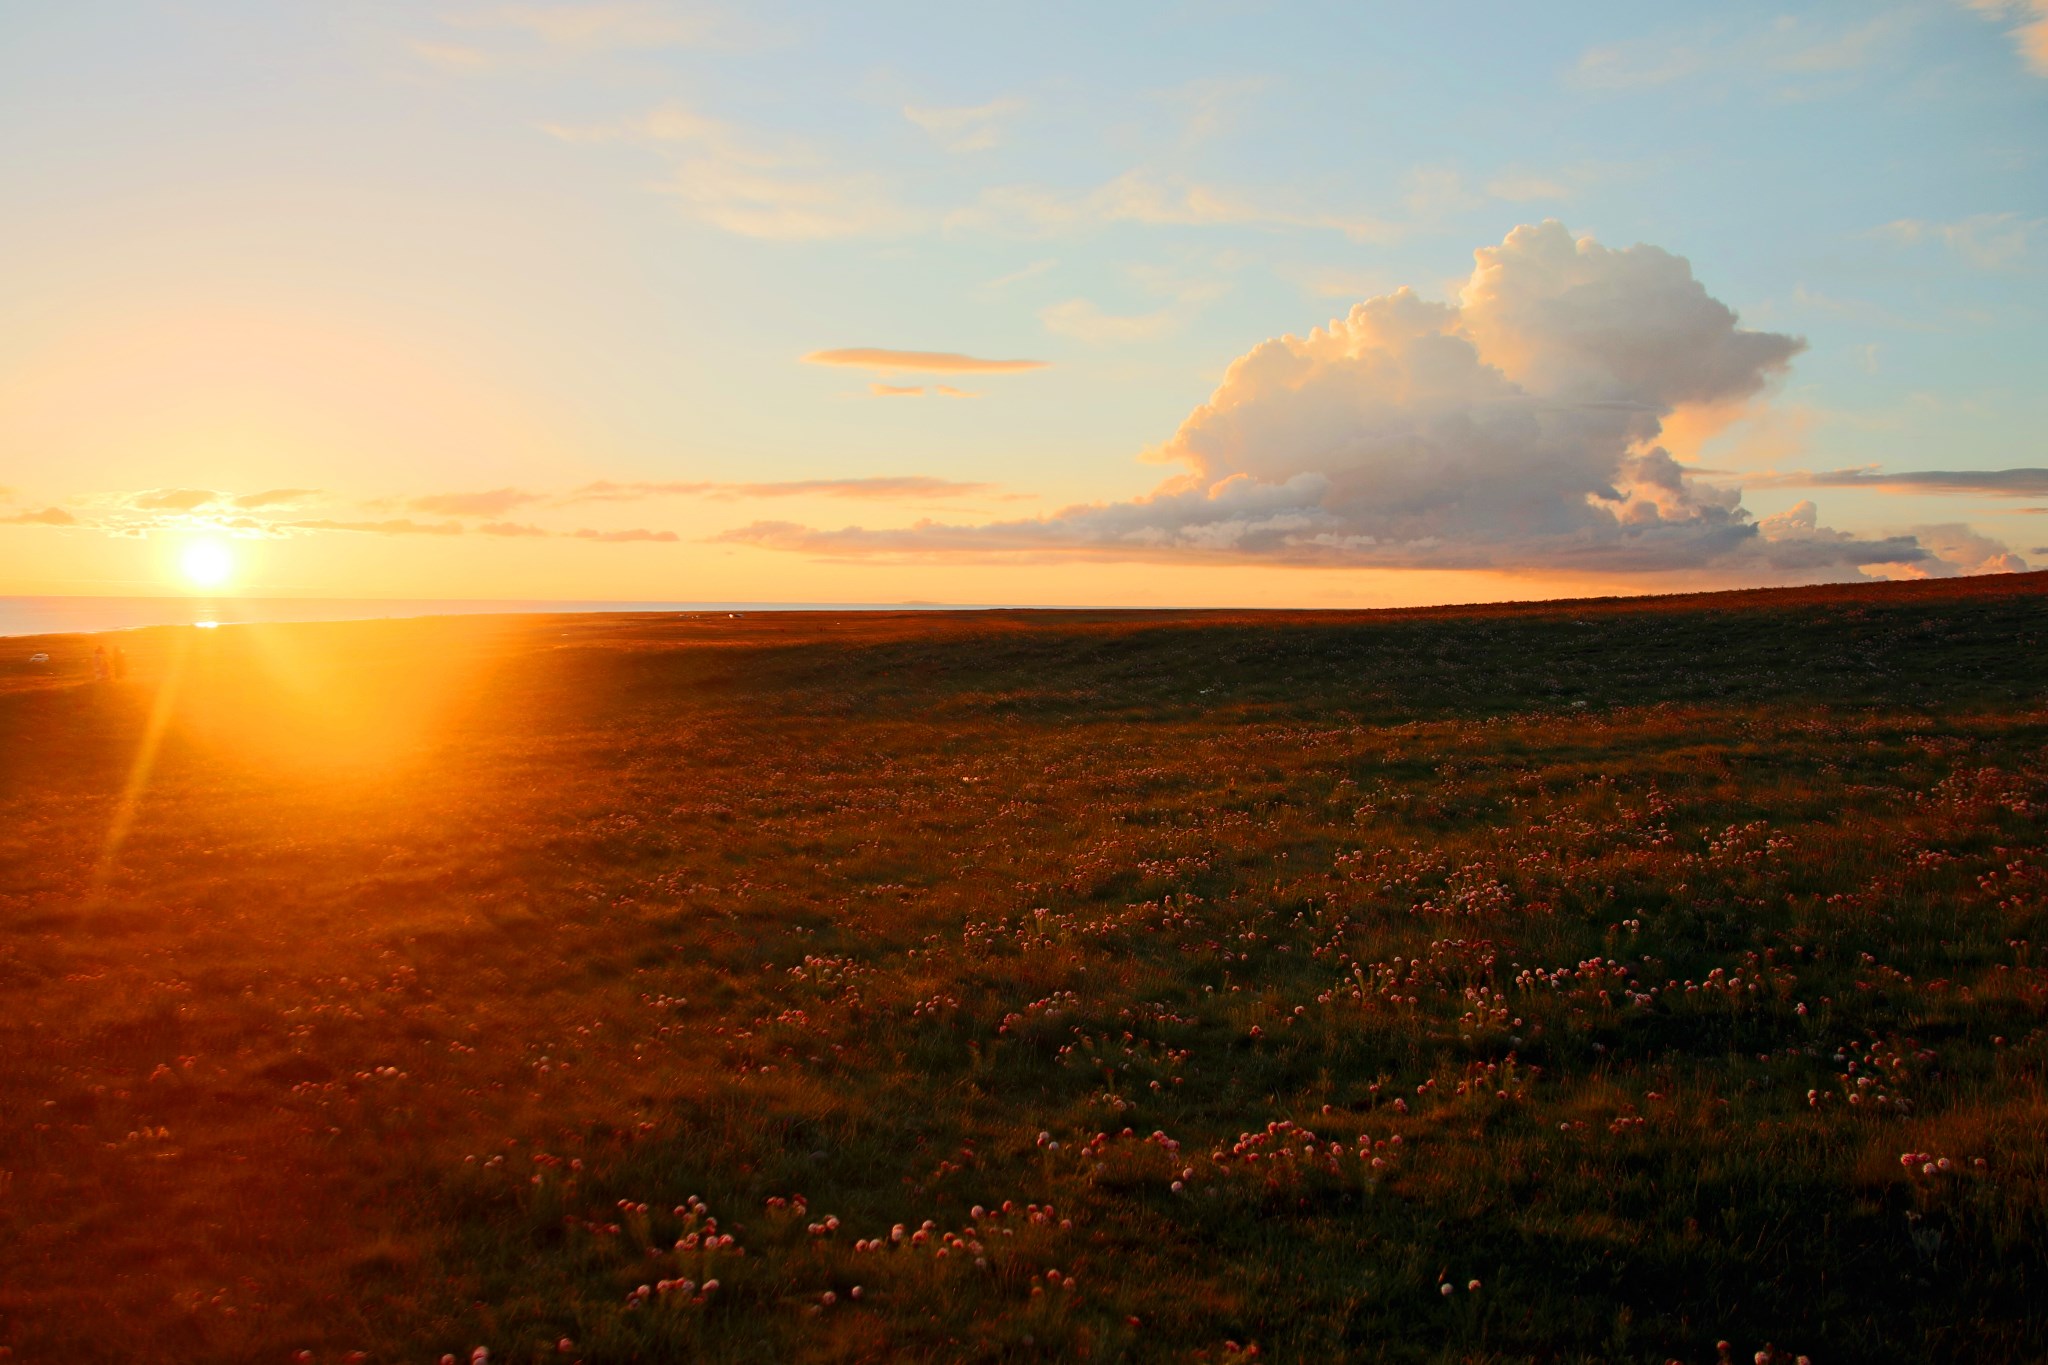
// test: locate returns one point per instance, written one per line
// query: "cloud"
(1521, 188)
(755, 186)
(48, 516)
(1212, 105)
(1430, 194)
(173, 499)
(1799, 56)
(600, 27)
(620, 537)
(272, 497)
(493, 503)
(2029, 31)
(1953, 550)
(936, 362)
(1083, 320)
(675, 122)
(1989, 241)
(909, 487)
(1990, 483)
(964, 128)
(919, 391)
(1517, 427)
(787, 207)
(511, 528)
(1140, 197)
(397, 526)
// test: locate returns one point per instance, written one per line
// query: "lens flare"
(207, 563)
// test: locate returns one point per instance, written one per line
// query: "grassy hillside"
(1588, 981)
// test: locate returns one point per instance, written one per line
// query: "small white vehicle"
(39, 658)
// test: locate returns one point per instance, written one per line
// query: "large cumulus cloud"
(1515, 428)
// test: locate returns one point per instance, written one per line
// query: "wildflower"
(1445, 1289)
(1472, 1287)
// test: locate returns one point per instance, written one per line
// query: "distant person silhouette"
(101, 669)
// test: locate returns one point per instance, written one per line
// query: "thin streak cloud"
(936, 362)
(490, 503)
(881, 488)
(396, 526)
(1991, 483)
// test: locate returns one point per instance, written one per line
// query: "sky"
(1230, 304)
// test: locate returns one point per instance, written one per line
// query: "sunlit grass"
(1068, 988)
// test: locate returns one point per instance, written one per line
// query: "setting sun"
(207, 563)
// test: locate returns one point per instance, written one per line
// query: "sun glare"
(207, 563)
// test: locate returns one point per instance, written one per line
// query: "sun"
(207, 563)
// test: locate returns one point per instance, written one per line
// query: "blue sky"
(386, 254)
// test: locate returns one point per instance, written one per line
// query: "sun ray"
(130, 800)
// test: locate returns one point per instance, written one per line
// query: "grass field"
(1594, 981)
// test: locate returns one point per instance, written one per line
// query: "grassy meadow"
(1609, 981)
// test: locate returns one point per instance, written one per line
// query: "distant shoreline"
(30, 617)
(22, 617)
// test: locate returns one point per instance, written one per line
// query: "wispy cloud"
(1083, 320)
(2029, 31)
(1001, 283)
(1989, 241)
(1143, 197)
(1213, 105)
(599, 27)
(624, 537)
(1522, 188)
(455, 56)
(1187, 288)
(910, 487)
(1161, 200)
(274, 497)
(1989, 483)
(396, 526)
(1794, 54)
(511, 528)
(676, 122)
(173, 499)
(881, 390)
(964, 128)
(788, 206)
(512, 37)
(753, 185)
(492, 503)
(886, 361)
(48, 516)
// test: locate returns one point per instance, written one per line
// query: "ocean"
(74, 615)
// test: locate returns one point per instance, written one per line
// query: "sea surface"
(73, 615)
